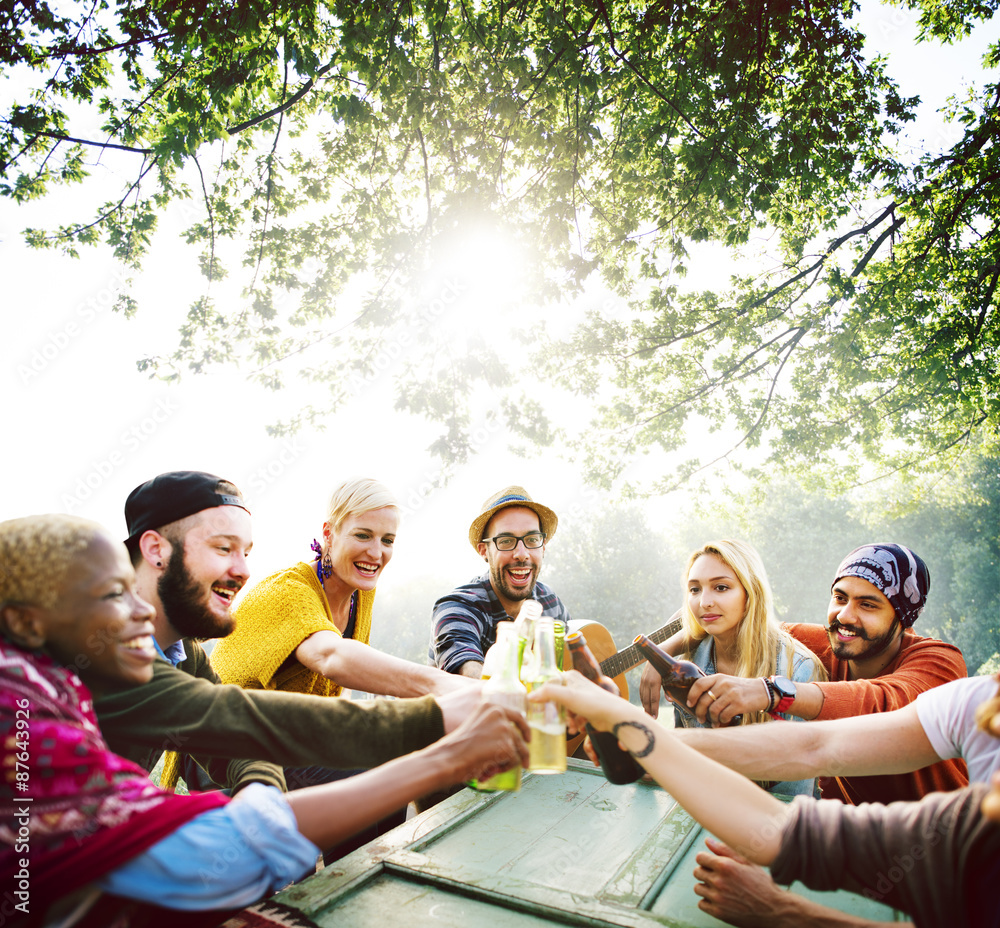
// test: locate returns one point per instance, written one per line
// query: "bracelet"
(772, 694)
(648, 749)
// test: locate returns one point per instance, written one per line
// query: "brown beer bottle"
(678, 676)
(619, 766)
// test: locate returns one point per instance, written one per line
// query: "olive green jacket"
(187, 709)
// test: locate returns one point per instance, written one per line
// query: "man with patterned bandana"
(876, 663)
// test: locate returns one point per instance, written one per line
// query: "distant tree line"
(616, 568)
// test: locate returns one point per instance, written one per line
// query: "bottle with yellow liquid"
(505, 689)
(547, 748)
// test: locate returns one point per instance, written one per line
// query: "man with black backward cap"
(189, 537)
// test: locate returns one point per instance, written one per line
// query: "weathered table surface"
(568, 849)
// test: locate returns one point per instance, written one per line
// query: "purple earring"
(326, 564)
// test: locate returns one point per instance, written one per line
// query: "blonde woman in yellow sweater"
(306, 628)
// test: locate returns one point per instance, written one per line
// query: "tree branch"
(758, 422)
(863, 263)
(282, 107)
(103, 216)
(60, 137)
(83, 51)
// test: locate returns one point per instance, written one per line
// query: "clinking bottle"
(678, 676)
(505, 689)
(547, 747)
(527, 617)
(494, 654)
(619, 766)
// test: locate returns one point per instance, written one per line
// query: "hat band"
(509, 499)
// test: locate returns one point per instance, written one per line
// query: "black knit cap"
(170, 497)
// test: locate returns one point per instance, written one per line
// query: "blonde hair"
(355, 496)
(759, 636)
(36, 554)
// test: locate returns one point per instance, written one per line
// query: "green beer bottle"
(505, 689)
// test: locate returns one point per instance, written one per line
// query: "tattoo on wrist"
(648, 749)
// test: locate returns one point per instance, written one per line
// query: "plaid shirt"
(465, 622)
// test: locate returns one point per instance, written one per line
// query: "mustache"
(858, 631)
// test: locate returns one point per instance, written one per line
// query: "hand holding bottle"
(602, 747)
(489, 741)
(503, 688)
(586, 702)
(681, 679)
(720, 699)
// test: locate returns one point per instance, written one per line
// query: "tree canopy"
(338, 152)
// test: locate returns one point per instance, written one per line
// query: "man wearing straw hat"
(510, 534)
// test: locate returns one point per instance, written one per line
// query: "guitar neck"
(632, 656)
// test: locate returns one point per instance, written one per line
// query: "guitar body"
(601, 645)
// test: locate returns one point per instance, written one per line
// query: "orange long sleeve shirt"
(922, 663)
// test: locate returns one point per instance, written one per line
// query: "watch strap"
(780, 702)
(772, 694)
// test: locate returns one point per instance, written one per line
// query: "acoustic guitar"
(614, 663)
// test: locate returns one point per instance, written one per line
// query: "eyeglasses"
(509, 542)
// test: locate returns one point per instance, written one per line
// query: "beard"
(186, 604)
(876, 643)
(514, 594)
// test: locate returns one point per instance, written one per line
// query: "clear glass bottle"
(505, 689)
(527, 617)
(492, 658)
(559, 630)
(547, 748)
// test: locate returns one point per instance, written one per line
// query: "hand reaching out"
(737, 891)
(492, 739)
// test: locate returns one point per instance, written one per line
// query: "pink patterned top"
(70, 809)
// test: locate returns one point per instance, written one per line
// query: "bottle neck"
(508, 669)
(545, 649)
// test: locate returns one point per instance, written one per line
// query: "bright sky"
(83, 427)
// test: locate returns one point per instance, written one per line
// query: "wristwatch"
(782, 694)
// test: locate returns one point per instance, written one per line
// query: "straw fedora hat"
(511, 496)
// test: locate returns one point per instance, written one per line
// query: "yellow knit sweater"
(272, 620)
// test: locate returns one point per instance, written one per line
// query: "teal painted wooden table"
(567, 849)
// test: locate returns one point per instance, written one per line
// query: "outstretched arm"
(358, 666)
(724, 802)
(865, 745)
(491, 740)
(254, 845)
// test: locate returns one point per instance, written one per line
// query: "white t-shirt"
(948, 716)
